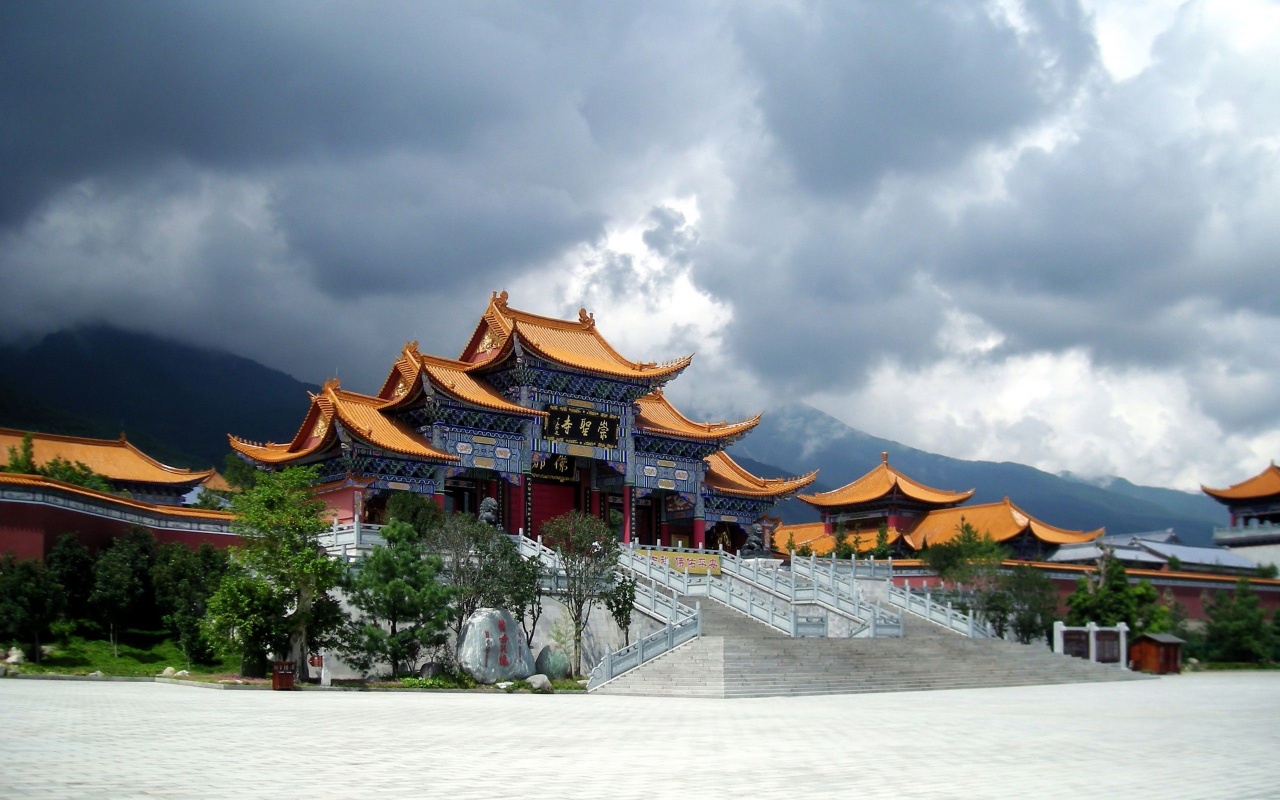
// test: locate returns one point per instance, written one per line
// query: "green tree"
(588, 555)
(74, 472)
(30, 601)
(71, 564)
(184, 579)
(967, 557)
(1107, 598)
(122, 594)
(620, 600)
(422, 512)
(1237, 628)
(246, 615)
(22, 458)
(403, 608)
(279, 523)
(842, 548)
(882, 548)
(482, 566)
(238, 473)
(1033, 603)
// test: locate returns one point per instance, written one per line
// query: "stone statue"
(488, 512)
(754, 546)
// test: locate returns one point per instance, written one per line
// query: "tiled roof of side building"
(878, 483)
(657, 415)
(114, 459)
(1003, 521)
(726, 476)
(360, 414)
(453, 378)
(41, 482)
(1264, 484)
(571, 343)
(822, 543)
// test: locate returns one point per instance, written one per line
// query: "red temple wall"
(30, 530)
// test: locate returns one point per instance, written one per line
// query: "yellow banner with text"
(694, 563)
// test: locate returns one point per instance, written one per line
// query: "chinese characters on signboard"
(581, 426)
(554, 468)
(695, 563)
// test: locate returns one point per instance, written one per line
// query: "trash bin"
(282, 675)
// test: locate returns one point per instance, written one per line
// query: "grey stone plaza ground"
(1203, 735)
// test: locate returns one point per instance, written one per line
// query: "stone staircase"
(739, 657)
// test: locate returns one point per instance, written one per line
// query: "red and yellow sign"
(695, 563)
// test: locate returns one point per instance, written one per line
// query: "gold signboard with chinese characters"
(554, 467)
(581, 426)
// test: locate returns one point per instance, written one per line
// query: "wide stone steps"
(739, 657)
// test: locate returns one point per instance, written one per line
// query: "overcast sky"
(1046, 232)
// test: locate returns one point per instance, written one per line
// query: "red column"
(595, 503)
(518, 520)
(664, 534)
(491, 489)
(699, 532)
(828, 527)
(439, 498)
(626, 513)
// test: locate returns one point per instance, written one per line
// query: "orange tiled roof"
(1002, 521)
(1264, 484)
(879, 482)
(572, 343)
(822, 543)
(657, 415)
(361, 414)
(451, 377)
(113, 459)
(217, 483)
(726, 476)
(41, 482)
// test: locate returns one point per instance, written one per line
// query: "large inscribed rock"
(493, 647)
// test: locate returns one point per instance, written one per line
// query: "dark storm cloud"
(854, 91)
(105, 87)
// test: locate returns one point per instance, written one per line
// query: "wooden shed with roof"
(1158, 653)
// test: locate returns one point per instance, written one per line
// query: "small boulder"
(493, 647)
(182, 673)
(4, 669)
(552, 663)
(97, 673)
(168, 672)
(431, 669)
(504, 685)
(15, 656)
(540, 684)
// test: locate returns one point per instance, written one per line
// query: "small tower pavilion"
(1253, 502)
(884, 496)
(544, 416)
(916, 516)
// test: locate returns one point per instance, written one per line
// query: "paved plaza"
(1190, 736)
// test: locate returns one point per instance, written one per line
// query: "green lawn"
(142, 654)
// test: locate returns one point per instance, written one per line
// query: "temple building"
(36, 510)
(126, 468)
(1254, 505)
(916, 516)
(544, 416)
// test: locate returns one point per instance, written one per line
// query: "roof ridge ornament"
(499, 299)
(332, 383)
(587, 318)
(884, 457)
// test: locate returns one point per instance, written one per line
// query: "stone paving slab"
(1209, 735)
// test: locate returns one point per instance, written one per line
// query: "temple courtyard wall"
(1202, 735)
